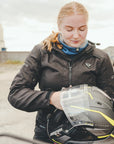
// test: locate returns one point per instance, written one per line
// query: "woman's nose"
(75, 34)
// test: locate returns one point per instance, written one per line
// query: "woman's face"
(74, 29)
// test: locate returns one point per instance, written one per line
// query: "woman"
(62, 60)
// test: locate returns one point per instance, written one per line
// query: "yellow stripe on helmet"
(56, 141)
(106, 136)
(111, 121)
(90, 95)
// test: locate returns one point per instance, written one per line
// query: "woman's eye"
(82, 28)
(68, 30)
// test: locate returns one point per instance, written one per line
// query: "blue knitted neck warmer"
(71, 50)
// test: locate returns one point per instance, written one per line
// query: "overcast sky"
(28, 22)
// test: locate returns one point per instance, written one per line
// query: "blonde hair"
(67, 10)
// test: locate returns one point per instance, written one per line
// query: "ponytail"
(53, 38)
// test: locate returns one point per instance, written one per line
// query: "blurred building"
(110, 51)
(2, 43)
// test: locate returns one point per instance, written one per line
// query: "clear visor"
(78, 104)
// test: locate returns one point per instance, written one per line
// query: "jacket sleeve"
(22, 94)
(105, 77)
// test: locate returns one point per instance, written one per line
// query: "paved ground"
(13, 121)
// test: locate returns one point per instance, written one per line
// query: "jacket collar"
(71, 50)
(86, 52)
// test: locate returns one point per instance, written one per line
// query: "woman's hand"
(55, 100)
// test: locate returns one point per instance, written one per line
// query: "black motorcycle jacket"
(54, 70)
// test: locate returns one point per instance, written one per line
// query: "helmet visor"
(83, 104)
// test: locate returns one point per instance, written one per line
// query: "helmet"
(87, 116)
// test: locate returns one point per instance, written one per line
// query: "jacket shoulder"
(38, 47)
(37, 51)
(99, 53)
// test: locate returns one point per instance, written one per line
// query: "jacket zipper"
(70, 74)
